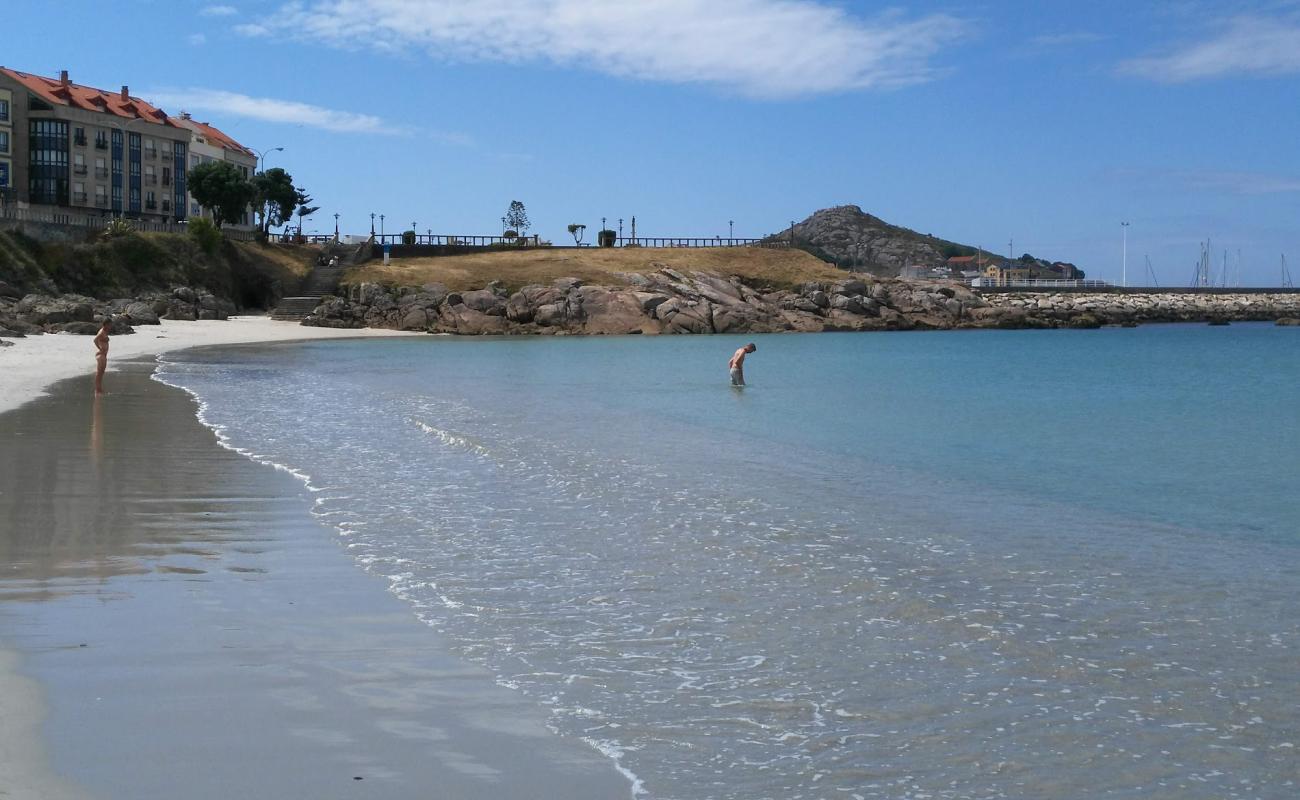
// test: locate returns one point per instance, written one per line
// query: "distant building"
(959, 263)
(209, 144)
(68, 147)
(997, 275)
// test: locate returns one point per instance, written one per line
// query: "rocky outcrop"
(671, 301)
(71, 313)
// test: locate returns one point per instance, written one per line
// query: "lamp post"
(336, 227)
(415, 231)
(1123, 275)
(503, 226)
(372, 224)
(381, 226)
(262, 154)
(620, 227)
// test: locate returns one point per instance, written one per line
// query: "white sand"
(29, 367)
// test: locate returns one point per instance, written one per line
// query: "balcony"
(79, 169)
(167, 180)
(150, 205)
(101, 144)
(101, 173)
(101, 201)
(166, 205)
(151, 180)
(150, 152)
(79, 198)
(79, 141)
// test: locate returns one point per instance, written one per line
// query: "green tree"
(517, 218)
(305, 208)
(274, 197)
(576, 231)
(203, 231)
(218, 186)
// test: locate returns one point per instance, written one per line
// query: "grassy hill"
(249, 274)
(778, 268)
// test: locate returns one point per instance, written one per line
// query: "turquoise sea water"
(950, 564)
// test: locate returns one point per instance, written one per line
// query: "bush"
(408, 237)
(205, 233)
(118, 226)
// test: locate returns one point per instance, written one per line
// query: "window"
(195, 161)
(4, 174)
(4, 141)
(4, 110)
(195, 210)
(47, 173)
(79, 136)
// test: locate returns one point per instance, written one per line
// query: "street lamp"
(381, 226)
(336, 226)
(731, 229)
(1123, 280)
(372, 224)
(415, 230)
(262, 154)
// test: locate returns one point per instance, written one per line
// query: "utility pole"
(731, 229)
(336, 226)
(1011, 249)
(1123, 280)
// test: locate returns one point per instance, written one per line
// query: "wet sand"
(175, 624)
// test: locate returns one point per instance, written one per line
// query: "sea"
(962, 564)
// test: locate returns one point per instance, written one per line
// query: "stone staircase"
(323, 282)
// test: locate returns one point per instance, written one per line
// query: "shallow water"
(956, 565)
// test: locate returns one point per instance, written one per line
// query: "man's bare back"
(737, 364)
(101, 355)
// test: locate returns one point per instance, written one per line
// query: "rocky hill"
(856, 240)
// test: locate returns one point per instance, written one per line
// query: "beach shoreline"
(164, 595)
(34, 363)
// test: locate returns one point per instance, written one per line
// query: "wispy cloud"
(196, 39)
(1066, 39)
(1242, 46)
(1236, 182)
(761, 48)
(269, 109)
(218, 11)
(1243, 182)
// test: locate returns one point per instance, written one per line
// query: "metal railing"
(1039, 283)
(101, 144)
(689, 241)
(151, 180)
(11, 213)
(450, 240)
(79, 198)
(101, 172)
(79, 169)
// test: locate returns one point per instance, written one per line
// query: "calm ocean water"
(988, 564)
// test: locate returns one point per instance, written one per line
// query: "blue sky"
(984, 122)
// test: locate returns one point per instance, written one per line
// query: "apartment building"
(69, 147)
(208, 144)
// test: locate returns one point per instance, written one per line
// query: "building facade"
(74, 148)
(209, 144)
(6, 143)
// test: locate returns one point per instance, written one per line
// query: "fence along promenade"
(450, 240)
(10, 213)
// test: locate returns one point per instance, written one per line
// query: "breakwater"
(673, 301)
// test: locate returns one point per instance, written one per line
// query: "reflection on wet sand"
(198, 634)
(82, 494)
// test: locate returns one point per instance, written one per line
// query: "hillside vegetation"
(248, 274)
(777, 268)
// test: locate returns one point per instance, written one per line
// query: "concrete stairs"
(322, 282)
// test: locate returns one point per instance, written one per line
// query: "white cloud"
(271, 110)
(196, 39)
(218, 11)
(1244, 46)
(252, 30)
(762, 48)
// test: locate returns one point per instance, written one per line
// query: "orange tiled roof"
(55, 92)
(961, 259)
(220, 139)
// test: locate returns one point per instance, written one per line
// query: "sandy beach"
(34, 363)
(176, 624)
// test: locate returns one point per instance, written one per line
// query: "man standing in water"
(101, 354)
(737, 364)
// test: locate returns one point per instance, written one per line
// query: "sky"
(1032, 127)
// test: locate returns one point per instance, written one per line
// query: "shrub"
(408, 237)
(118, 226)
(206, 234)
